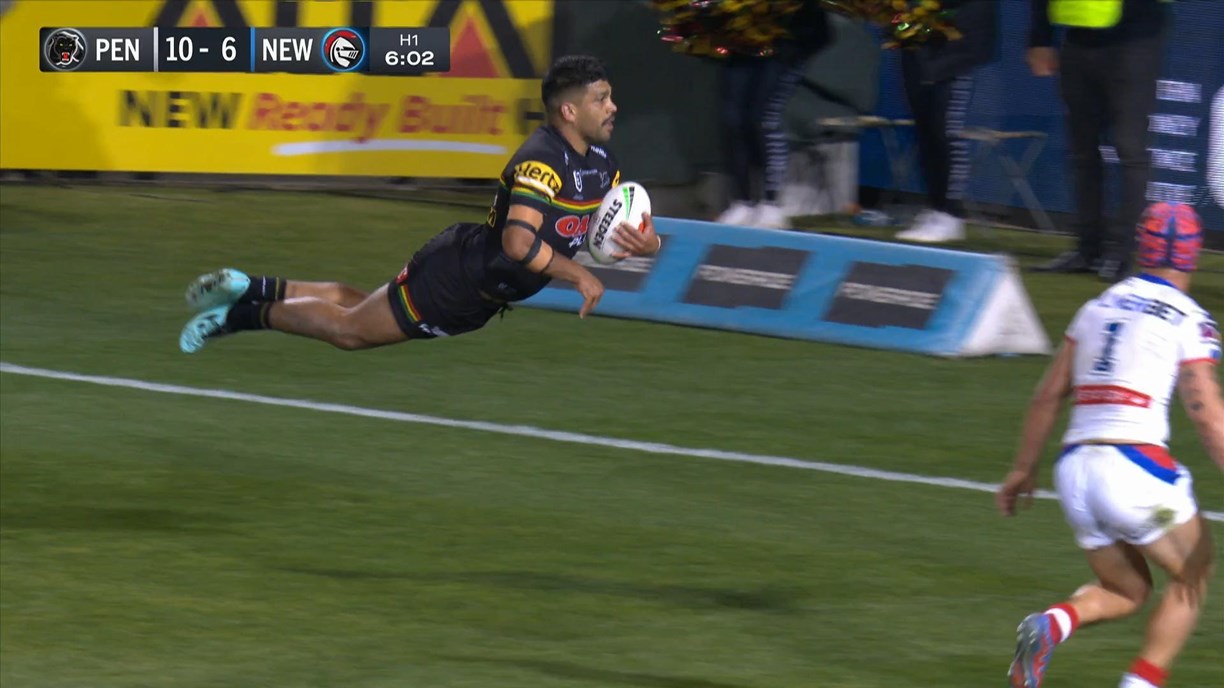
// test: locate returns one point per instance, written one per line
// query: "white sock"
(1063, 619)
(1133, 681)
(1144, 674)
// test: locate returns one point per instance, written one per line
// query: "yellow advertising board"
(460, 124)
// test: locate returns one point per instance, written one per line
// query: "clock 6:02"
(411, 58)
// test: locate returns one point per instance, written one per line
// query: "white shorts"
(1134, 493)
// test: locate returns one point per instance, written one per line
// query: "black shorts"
(434, 296)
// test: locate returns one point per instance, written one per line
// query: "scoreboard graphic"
(270, 87)
(391, 51)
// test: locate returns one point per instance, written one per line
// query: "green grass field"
(173, 541)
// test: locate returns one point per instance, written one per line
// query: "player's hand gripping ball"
(626, 202)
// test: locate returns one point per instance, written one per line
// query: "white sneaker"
(934, 228)
(739, 213)
(945, 227)
(770, 216)
(918, 226)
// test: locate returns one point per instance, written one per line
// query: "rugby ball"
(625, 202)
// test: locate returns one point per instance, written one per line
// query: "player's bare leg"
(229, 301)
(332, 292)
(1123, 585)
(368, 324)
(1187, 554)
(229, 286)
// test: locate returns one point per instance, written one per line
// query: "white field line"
(524, 431)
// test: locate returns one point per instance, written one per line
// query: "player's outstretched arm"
(1043, 410)
(522, 243)
(1199, 389)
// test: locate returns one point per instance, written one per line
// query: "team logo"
(1210, 333)
(580, 174)
(1162, 517)
(1208, 330)
(65, 49)
(343, 50)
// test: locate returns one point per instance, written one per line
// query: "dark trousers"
(754, 95)
(1110, 91)
(940, 109)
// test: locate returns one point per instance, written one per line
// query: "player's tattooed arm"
(1199, 388)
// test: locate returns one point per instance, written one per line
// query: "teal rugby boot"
(205, 326)
(221, 288)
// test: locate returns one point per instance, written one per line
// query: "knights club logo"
(343, 50)
(65, 49)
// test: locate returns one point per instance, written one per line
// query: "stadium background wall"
(251, 124)
(669, 131)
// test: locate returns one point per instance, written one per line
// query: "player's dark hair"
(568, 73)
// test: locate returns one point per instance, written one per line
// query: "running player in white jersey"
(1127, 500)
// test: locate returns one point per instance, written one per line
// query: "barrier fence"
(819, 287)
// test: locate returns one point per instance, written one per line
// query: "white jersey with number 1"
(1131, 342)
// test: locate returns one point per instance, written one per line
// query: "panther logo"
(65, 49)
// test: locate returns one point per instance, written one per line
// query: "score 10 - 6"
(203, 50)
(409, 52)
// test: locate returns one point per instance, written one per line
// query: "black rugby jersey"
(546, 174)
